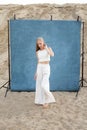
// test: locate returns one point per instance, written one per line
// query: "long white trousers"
(43, 94)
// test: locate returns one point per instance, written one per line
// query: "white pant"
(43, 94)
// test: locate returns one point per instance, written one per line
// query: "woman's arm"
(50, 51)
(35, 76)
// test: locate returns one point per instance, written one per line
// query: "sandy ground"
(18, 111)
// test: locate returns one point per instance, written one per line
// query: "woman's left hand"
(49, 49)
(46, 47)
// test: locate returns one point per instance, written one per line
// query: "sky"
(41, 1)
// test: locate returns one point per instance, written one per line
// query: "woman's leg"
(38, 96)
(46, 85)
(39, 92)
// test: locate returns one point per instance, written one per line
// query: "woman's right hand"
(35, 76)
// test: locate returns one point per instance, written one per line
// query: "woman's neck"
(42, 48)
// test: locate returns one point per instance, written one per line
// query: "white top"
(43, 55)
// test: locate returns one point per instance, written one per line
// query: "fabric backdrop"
(62, 36)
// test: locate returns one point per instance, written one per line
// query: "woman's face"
(40, 44)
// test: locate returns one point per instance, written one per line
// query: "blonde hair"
(39, 38)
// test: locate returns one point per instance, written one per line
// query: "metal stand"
(3, 86)
(82, 80)
(51, 18)
(8, 82)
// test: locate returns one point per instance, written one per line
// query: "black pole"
(8, 87)
(78, 18)
(51, 17)
(14, 16)
(83, 54)
(82, 80)
(8, 54)
(8, 82)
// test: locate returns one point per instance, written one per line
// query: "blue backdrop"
(62, 36)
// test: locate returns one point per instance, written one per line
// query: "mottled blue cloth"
(63, 36)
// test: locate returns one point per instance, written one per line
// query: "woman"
(43, 95)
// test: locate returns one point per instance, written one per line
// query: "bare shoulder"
(36, 52)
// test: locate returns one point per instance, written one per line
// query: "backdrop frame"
(81, 81)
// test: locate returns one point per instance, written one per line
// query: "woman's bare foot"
(45, 105)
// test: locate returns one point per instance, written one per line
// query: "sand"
(18, 111)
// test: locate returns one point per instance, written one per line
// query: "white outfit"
(43, 94)
(43, 55)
